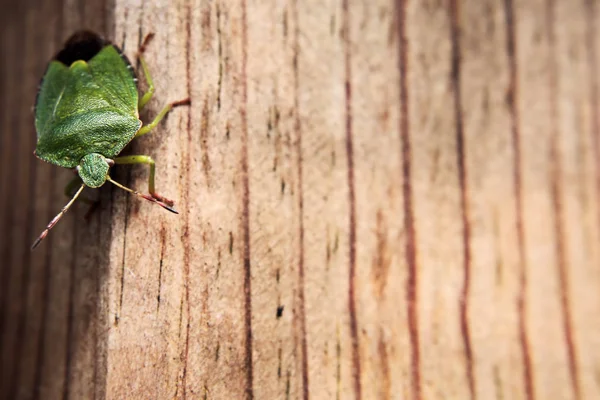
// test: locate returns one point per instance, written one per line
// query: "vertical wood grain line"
(352, 207)
(69, 337)
(409, 225)
(557, 192)
(513, 98)
(246, 208)
(26, 261)
(45, 296)
(11, 268)
(298, 132)
(5, 209)
(186, 194)
(122, 269)
(4, 148)
(554, 160)
(593, 67)
(464, 191)
(10, 210)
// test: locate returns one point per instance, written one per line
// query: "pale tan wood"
(391, 200)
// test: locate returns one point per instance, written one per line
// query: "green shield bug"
(87, 111)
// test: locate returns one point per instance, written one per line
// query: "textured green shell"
(87, 107)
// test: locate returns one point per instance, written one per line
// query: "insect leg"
(141, 159)
(57, 218)
(147, 128)
(143, 196)
(150, 92)
(148, 95)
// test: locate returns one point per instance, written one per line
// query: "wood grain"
(378, 200)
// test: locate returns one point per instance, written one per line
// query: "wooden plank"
(377, 200)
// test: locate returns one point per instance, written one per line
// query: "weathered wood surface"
(378, 200)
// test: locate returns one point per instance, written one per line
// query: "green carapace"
(87, 111)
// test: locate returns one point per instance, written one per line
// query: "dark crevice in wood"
(26, 266)
(163, 245)
(513, 95)
(11, 307)
(26, 280)
(186, 198)
(352, 207)
(125, 223)
(409, 226)
(7, 248)
(382, 351)
(247, 295)
(591, 33)
(220, 55)
(70, 336)
(204, 147)
(100, 356)
(298, 131)
(45, 297)
(464, 193)
(561, 256)
(557, 194)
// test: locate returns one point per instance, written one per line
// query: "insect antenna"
(57, 218)
(144, 196)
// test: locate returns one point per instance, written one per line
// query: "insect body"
(87, 111)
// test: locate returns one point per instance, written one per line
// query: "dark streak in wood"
(9, 221)
(555, 163)
(45, 297)
(284, 23)
(246, 209)
(298, 132)
(287, 385)
(163, 245)
(177, 386)
(5, 142)
(382, 260)
(5, 268)
(206, 25)
(186, 198)
(180, 317)
(352, 207)
(70, 337)
(338, 364)
(125, 223)
(591, 33)
(220, 54)
(100, 355)
(386, 381)
(279, 351)
(513, 95)
(499, 265)
(380, 271)
(464, 193)
(26, 266)
(204, 134)
(409, 227)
